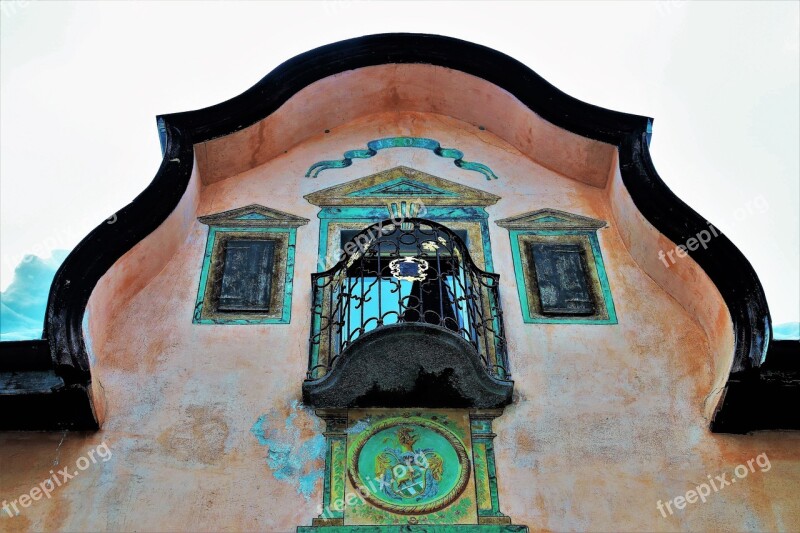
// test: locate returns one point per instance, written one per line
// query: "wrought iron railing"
(417, 271)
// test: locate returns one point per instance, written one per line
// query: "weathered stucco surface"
(205, 422)
(339, 99)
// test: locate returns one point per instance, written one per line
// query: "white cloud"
(23, 303)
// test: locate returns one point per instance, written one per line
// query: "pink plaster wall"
(205, 424)
(134, 270)
(684, 280)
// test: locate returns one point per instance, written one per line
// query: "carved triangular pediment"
(401, 183)
(254, 216)
(402, 187)
(550, 219)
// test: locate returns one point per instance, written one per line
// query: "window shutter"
(246, 275)
(561, 276)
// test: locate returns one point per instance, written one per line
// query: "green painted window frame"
(283, 267)
(606, 312)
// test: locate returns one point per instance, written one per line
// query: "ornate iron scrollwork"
(418, 271)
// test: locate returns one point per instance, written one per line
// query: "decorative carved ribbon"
(401, 142)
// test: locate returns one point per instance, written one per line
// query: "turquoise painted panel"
(401, 142)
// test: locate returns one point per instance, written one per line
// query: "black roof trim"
(80, 272)
(763, 398)
(33, 397)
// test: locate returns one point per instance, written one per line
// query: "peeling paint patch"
(358, 427)
(291, 457)
(695, 434)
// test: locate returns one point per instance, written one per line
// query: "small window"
(244, 277)
(247, 275)
(562, 279)
(559, 269)
(248, 266)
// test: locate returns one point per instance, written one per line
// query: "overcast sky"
(81, 84)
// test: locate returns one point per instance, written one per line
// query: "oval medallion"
(409, 465)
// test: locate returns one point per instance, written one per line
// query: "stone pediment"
(254, 215)
(401, 183)
(550, 219)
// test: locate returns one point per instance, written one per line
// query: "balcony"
(407, 319)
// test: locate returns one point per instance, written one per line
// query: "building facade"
(403, 281)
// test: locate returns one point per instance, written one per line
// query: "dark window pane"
(246, 275)
(561, 276)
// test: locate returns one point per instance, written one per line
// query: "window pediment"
(401, 182)
(254, 216)
(551, 219)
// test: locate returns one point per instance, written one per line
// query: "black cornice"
(722, 261)
(266, 96)
(764, 398)
(727, 267)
